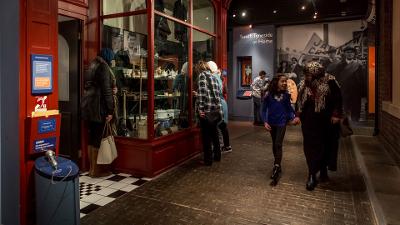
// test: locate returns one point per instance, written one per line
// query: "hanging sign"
(42, 74)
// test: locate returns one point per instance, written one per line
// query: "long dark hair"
(273, 85)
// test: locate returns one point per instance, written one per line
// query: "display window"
(175, 8)
(163, 97)
(121, 6)
(203, 15)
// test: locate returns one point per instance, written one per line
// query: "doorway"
(69, 81)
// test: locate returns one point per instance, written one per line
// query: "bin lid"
(66, 169)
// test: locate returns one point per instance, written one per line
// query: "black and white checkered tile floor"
(98, 192)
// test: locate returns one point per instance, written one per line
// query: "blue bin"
(57, 192)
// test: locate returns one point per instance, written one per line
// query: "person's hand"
(335, 120)
(295, 121)
(194, 93)
(202, 114)
(109, 118)
(115, 90)
(267, 126)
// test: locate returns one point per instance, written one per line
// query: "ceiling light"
(250, 26)
(243, 14)
(275, 11)
(303, 7)
(234, 15)
(315, 13)
(315, 17)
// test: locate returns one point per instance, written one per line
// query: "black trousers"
(277, 134)
(209, 134)
(225, 133)
(257, 110)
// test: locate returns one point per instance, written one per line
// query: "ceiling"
(290, 12)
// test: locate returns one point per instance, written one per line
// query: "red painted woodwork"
(150, 158)
(82, 3)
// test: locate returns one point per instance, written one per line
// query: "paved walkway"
(237, 191)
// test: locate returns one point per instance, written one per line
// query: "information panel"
(42, 74)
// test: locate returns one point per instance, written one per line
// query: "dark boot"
(323, 175)
(276, 170)
(311, 182)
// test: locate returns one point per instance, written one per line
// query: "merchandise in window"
(170, 77)
(127, 37)
(175, 8)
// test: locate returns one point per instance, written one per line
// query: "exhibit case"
(155, 45)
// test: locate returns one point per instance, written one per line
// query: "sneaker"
(226, 149)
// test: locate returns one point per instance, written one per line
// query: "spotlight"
(315, 17)
(250, 26)
(303, 7)
(243, 14)
(234, 15)
(275, 11)
(315, 13)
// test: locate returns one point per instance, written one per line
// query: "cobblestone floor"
(237, 191)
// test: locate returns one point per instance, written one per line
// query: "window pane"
(170, 77)
(119, 6)
(175, 8)
(203, 50)
(127, 36)
(203, 15)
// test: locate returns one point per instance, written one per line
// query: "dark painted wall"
(245, 42)
(9, 98)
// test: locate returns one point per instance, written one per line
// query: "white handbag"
(107, 151)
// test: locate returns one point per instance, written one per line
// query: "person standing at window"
(98, 106)
(258, 87)
(208, 103)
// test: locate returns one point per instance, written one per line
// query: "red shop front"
(155, 45)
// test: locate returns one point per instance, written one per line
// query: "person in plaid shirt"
(207, 100)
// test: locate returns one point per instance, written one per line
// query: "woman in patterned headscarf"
(319, 106)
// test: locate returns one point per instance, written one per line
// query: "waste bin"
(57, 192)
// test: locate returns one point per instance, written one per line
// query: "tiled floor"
(98, 192)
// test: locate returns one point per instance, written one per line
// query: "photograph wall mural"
(341, 47)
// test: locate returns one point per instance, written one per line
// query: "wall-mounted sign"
(258, 38)
(44, 144)
(41, 104)
(46, 125)
(42, 75)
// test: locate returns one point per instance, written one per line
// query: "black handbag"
(345, 128)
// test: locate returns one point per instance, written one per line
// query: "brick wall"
(389, 125)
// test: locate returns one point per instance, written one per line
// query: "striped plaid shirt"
(205, 101)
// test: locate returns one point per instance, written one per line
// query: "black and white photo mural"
(342, 47)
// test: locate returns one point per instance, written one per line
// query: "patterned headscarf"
(315, 69)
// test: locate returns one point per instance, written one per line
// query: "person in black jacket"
(319, 106)
(98, 105)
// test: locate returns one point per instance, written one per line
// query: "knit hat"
(213, 66)
(315, 69)
(107, 54)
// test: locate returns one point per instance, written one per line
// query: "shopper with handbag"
(209, 110)
(276, 113)
(319, 106)
(98, 106)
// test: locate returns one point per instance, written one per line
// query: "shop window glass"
(119, 6)
(127, 37)
(170, 77)
(203, 50)
(175, 8)
(203, 15)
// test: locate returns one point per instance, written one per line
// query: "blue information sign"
(42, 74)
(46, 125)
(45, 144)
